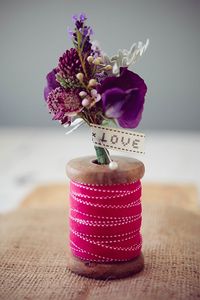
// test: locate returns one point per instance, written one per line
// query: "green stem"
(82, 64)
(102, 157)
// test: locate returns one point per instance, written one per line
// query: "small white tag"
(117, 139)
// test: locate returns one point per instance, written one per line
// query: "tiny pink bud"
(85, 102)
(93, 92)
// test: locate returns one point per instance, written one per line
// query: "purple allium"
(123, 98)
(63, 104)
(51, 82)
(69, 64)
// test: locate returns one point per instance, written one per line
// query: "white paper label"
(117, 139)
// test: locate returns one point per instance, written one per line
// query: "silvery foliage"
(96, 48)
(125, 57)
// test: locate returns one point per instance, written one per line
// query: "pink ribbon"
(105, 221)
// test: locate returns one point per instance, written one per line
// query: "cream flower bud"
(97, 61)
(82, 94)
(108, 68)
(80, 76)
(92, 82)
(90, 59)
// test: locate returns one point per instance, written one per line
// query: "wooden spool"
(86, 170)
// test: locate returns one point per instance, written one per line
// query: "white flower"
(125, 58)
(95, 95)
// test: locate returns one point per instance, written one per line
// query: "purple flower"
(51, 83)
(82, 17)
(69, 64)
(70, 32)
(63, 104)
(74, 18)
(91, 32)
(123, 98)
(86, 32)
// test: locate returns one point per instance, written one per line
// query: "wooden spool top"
(85, 170)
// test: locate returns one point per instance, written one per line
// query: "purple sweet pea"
(123, 98)
(51, 83)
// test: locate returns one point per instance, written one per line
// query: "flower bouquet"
(88, 86)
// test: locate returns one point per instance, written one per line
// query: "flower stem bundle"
(88, 84)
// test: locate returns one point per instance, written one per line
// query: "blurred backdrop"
(33, 34)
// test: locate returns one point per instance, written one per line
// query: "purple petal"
(91, 32)
(82, 17)
(74, 18)
(70, 32)
(123, 97)
(66, 120)
(132, 110)
(46, 92)
(51, 83)
(113, 102)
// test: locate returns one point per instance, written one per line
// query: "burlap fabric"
(33, 250)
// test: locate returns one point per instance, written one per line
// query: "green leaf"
(109, 123)
(67, 83)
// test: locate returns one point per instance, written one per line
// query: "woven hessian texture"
(33, 250)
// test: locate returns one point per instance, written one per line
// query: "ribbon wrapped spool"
(105, 218)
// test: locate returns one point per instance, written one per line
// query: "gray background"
(33, 34)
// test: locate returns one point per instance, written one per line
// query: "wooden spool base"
(105, 270)
(84, 170)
